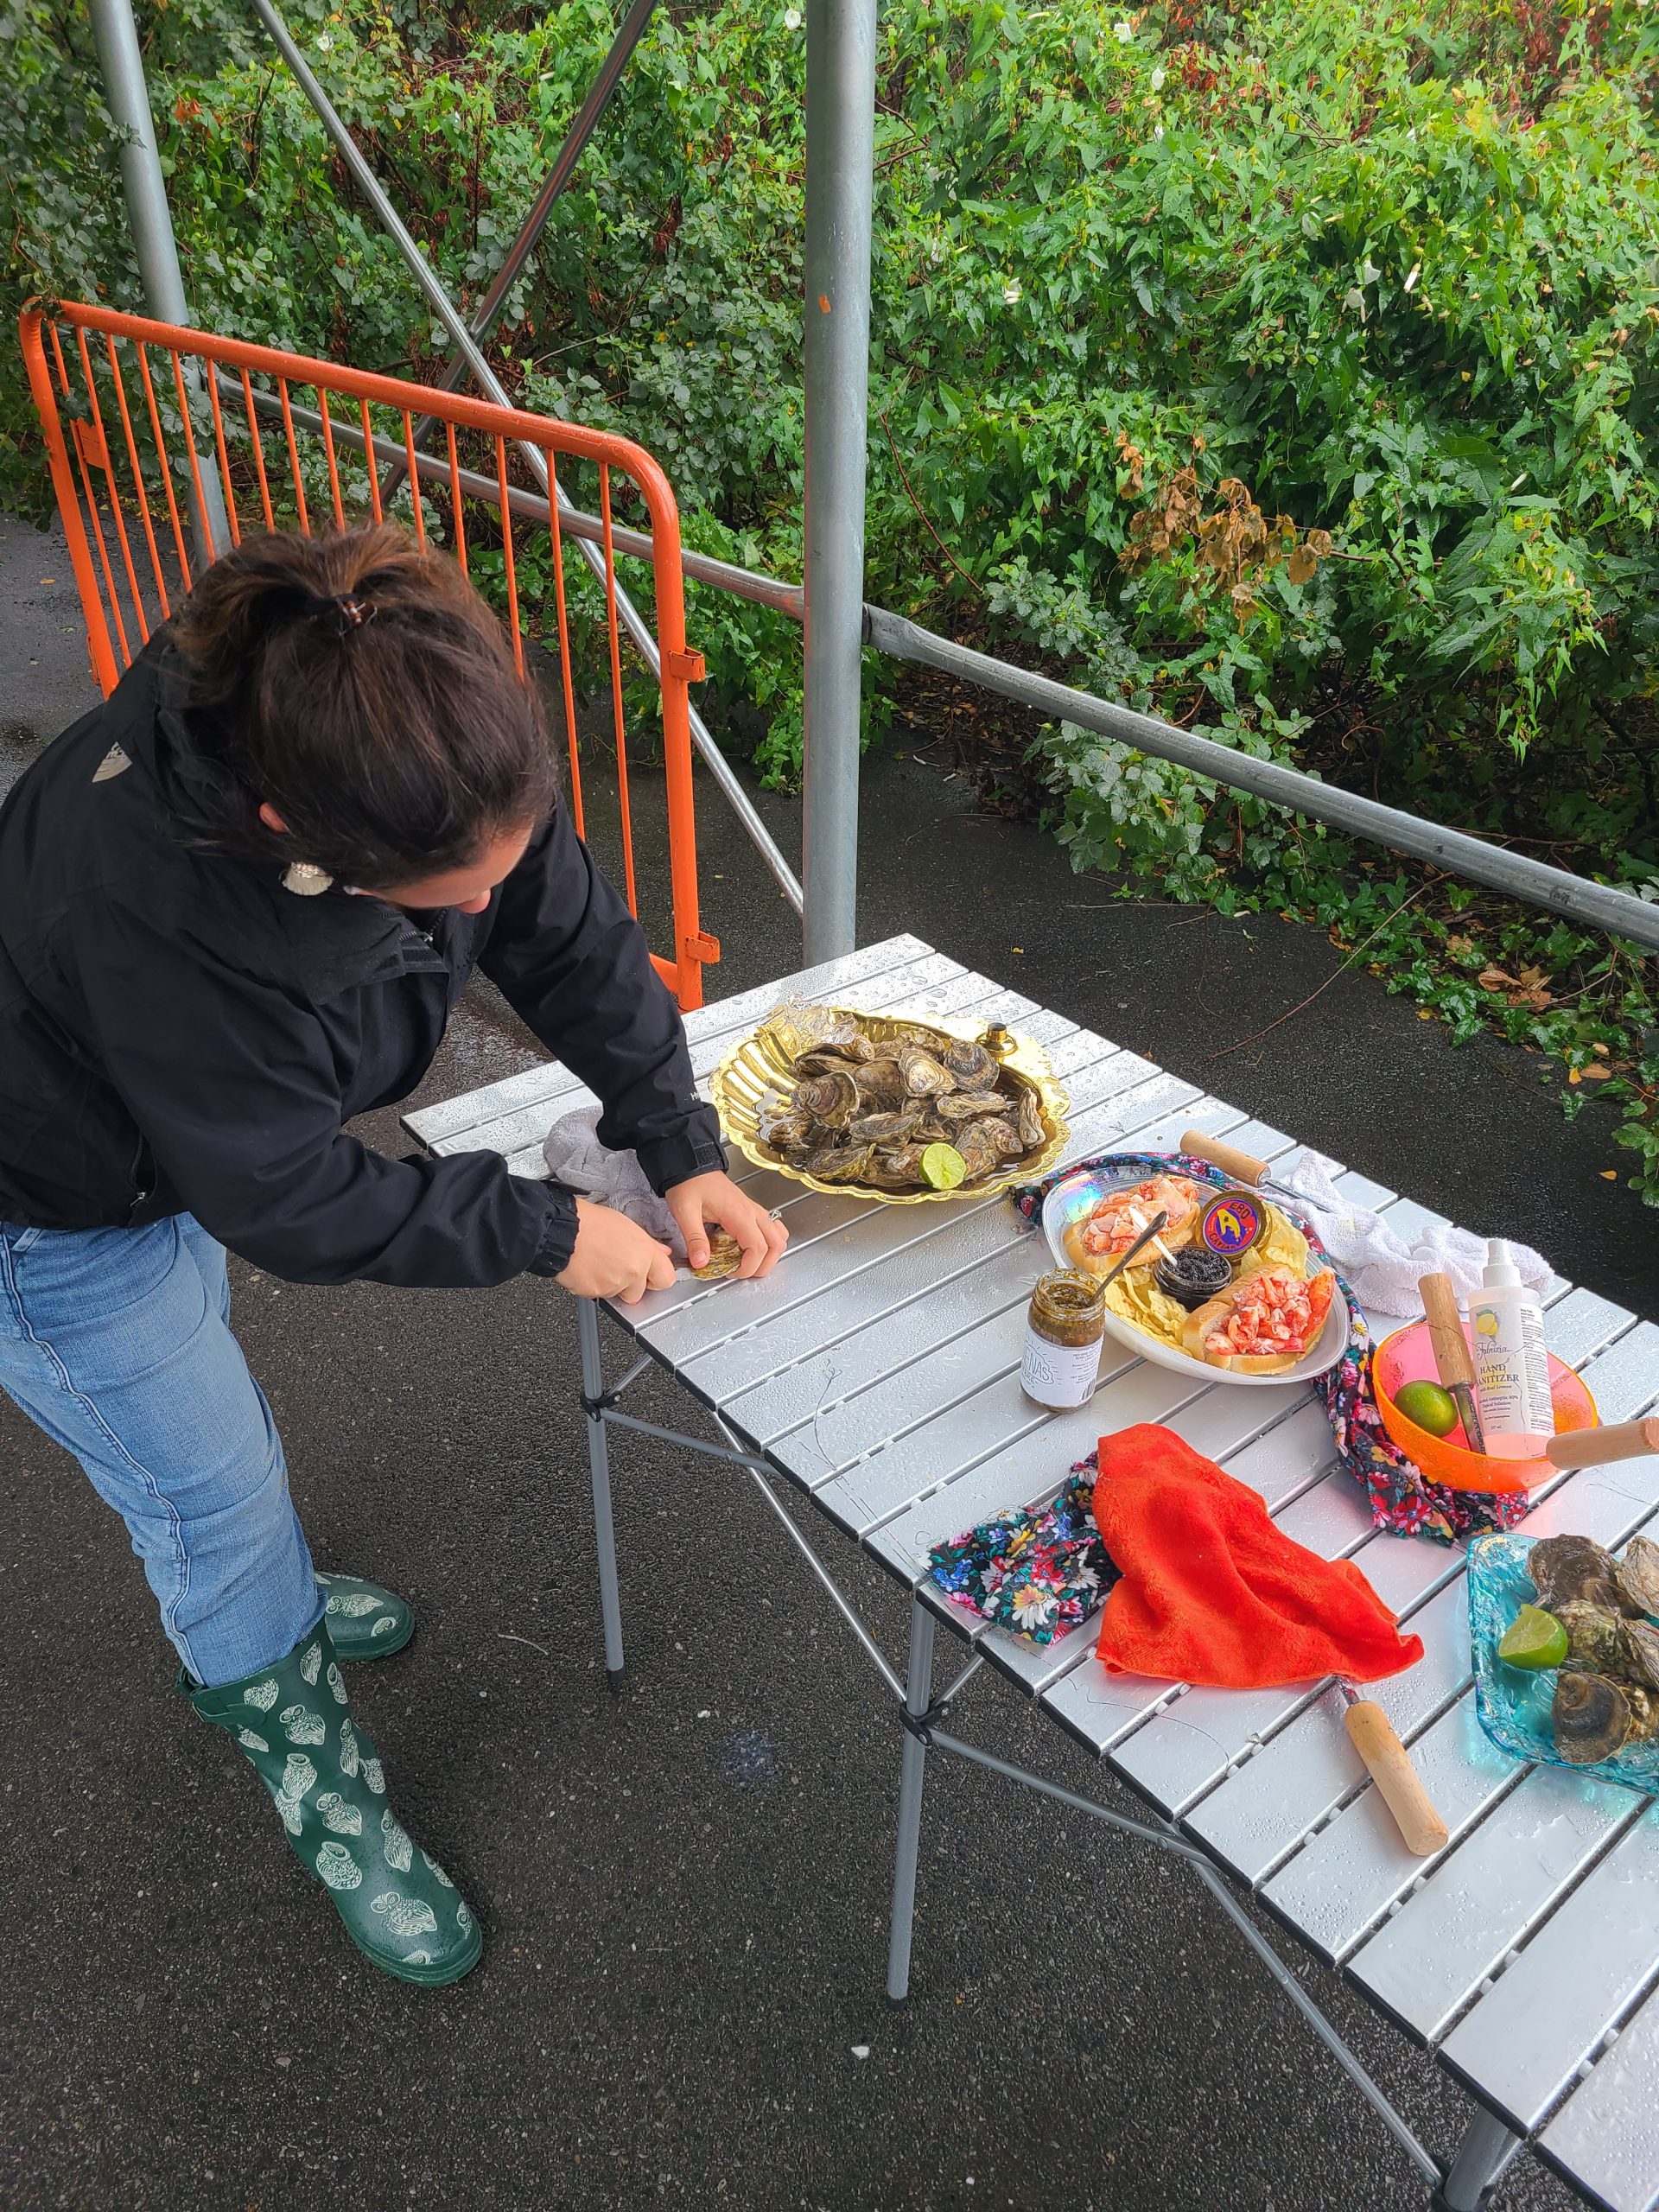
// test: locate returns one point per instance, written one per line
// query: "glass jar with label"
(1064, 1328)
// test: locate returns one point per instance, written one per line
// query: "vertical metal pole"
(839, 151)
(1485, 2150)
(919, 1692)
(599, 1464)
(128, 99)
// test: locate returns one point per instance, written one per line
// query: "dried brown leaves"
(1237, 547)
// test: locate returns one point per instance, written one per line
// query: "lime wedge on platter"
(943, 1166)
(1534, 1639)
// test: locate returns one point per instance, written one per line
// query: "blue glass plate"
(1512, 1704)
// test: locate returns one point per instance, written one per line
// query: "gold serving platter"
(756, 1080)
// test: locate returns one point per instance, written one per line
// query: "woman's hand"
(614, 1257)
(717, 1198)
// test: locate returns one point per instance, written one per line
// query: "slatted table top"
(878, 1370)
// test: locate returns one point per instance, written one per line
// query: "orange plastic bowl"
(1408, 1357)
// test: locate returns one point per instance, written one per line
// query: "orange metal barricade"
(142, 418)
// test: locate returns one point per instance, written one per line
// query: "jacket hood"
(178, 748)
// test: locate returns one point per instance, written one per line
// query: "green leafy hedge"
(1286, 369)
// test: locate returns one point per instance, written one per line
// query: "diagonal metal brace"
(1165, 1839)
(610, 74)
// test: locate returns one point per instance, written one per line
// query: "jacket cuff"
(558, 1239)
(695, 1150)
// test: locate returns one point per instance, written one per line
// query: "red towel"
(1213, 1593)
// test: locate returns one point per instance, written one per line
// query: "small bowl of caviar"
(1192, 1275)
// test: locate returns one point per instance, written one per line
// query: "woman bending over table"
(239, 903)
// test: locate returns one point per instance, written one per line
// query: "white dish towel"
(1377, 1263)
(576, 1158)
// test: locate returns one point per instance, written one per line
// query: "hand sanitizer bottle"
(1506, 1323)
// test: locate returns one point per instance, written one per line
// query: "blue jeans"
(116, 1342)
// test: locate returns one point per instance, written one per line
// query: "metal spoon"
(1148, 1235)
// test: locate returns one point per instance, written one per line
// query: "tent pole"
(127, 97)
(839, 151)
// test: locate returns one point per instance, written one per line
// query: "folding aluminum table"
(876, 1375)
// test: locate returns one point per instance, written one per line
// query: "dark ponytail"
(361, 687)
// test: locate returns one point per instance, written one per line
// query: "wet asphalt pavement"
(684, 1887)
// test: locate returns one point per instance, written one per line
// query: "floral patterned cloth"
(1402, 1500)
(1034, 1573)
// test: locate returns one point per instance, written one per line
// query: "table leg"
(918, 1696)
(1482, 2154)
(599, 1464)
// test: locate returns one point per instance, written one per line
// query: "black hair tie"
(343, 609)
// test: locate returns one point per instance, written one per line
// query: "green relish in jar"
(1063, 1329)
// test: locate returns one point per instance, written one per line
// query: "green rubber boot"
(365, 1621)
(400, 1908)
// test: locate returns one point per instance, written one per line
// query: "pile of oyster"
(865, 1109)
(1607, 1690)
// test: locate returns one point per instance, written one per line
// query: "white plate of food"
(1261, 1309)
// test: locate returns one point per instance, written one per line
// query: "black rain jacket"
(179, 1032)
